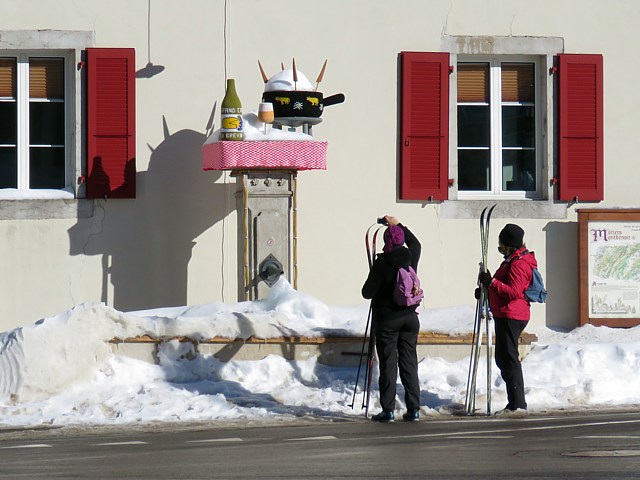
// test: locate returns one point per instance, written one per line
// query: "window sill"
(540, 209)
(45, 208)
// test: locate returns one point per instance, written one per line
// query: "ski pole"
(368, 374)
(364, 341)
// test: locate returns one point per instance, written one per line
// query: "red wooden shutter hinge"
(450, 69)
(81, 179)
(553, 182)
(553, 70)
(451, 181)
(81, 65)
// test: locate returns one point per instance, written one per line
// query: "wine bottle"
(231, 127)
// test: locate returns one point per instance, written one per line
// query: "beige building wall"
(176, 243)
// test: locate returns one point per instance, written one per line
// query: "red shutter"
(111, 141)
(424, 157)
(581, 153)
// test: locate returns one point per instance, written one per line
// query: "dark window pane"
(47, 123)
(474, 171)
(518, 126)
(519, 170)
(8, 167)
(473, 126)
(46, 168)
(8, 123)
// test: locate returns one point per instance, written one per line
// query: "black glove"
(476, 293)
(485, 278)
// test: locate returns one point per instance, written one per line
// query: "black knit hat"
(511, 236)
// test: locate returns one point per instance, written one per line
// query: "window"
(496, 127)
(67, 117)
(32, 115)
(478, 123)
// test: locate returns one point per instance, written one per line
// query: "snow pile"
(61, 370)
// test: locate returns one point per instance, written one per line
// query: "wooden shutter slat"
(581, 152)
(111, 123)
(8, 77)
(424, 126)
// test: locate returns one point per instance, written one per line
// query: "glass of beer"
(265, 114)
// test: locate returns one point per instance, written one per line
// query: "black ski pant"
(396, 341)
(508, 332)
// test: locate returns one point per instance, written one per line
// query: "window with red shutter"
(111, 170)
(581, 151)
(424, 157)
(33, 143)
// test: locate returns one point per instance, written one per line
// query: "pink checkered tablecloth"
(293, 155)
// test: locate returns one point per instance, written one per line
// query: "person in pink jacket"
(510, 308)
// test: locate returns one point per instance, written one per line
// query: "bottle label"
(231, 125)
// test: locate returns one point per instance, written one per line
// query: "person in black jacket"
(395, 327)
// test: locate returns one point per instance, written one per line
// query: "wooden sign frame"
(608, 295)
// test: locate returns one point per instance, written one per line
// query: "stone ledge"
(333, 350)
(424, 338)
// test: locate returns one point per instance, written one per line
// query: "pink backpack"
(407, 291)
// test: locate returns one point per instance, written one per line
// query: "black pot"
(298, 103)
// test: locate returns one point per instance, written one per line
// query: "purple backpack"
(407, 291)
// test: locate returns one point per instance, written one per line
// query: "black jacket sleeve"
(414, 246)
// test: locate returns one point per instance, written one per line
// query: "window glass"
(518, 170)
(32, 122)
(474, 170)
(46, 167)
(518, 126)
(46, 78)
(46, 123)
(474, 126)
(8, 167)
(496, 126)
(8, 78)
(518, 82)
(8, 123)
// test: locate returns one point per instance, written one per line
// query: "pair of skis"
(482, 319)
(370, 244)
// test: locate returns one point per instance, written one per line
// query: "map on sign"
(614, 266)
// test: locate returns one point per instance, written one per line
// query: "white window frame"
(545, 49)
(23, 114)
(496, 147)
(36, 204)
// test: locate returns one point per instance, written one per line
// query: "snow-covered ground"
(61, 370)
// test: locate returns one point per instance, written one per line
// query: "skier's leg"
(386, 341)
(408, 362)
(508, 360)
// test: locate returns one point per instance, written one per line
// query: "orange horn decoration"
(264, 75)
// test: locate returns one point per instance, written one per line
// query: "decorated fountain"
(265, 163)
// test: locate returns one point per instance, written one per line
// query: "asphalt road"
(579, 445)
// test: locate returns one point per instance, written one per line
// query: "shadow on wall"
(146, 243)
(561, 275)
